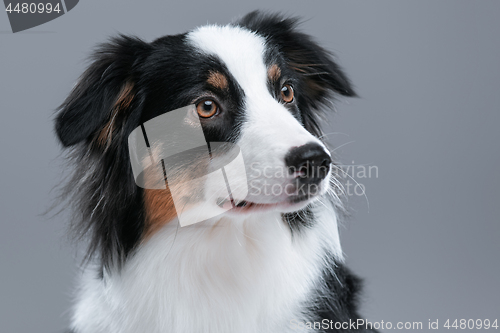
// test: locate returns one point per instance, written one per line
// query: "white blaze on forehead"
(241, 50)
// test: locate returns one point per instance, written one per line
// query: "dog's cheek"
(160, 210)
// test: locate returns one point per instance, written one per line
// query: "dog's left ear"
(320, 74)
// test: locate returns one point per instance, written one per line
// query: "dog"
(272, 260)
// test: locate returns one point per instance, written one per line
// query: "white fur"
(244, 274)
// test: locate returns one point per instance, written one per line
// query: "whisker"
(354, 180)
(342, 145)
(331, 133)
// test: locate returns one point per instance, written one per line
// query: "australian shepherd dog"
(241, 233)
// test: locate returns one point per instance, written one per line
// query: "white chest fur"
(246, 275)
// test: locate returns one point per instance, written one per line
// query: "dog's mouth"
(244, 206)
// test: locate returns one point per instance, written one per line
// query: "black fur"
(102, 188)
(340, 304)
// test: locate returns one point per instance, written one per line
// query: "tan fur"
(160, 210)
(218, 80)
(122, 103)
(274, 73)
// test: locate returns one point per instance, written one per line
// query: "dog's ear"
(320, 74)
(103, 94)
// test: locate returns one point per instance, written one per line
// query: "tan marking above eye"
(217, 80)
(207, 108)
(274, 73)
(287, 93)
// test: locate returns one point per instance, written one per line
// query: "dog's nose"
(310, 162)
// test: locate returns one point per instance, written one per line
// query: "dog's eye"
(287, 93)
(207, 108)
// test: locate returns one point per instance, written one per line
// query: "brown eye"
(206, 108)
(287, 93)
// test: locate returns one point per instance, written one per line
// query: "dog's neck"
(213, 266)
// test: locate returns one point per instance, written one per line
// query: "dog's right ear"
(103, 93)
(320, 74)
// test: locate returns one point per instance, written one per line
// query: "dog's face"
(246, 93)
(258, 83)
(254, 95)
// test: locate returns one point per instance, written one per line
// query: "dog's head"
(257, 83)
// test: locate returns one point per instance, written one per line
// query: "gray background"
(428, 74)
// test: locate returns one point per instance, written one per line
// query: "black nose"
(311, 162)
